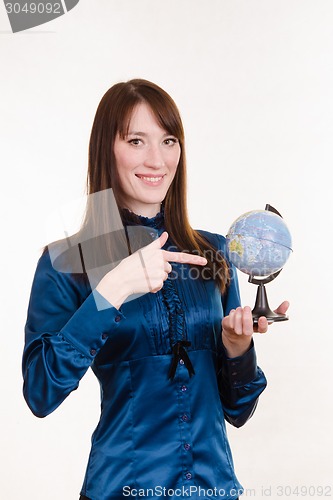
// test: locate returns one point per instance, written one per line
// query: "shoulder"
(215, 239)
(231, 297)
(64, 255)
(59, 268)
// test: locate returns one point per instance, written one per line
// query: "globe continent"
(259, 243)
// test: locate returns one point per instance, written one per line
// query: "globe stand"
(261, 307)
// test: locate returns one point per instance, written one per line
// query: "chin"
(152, 200)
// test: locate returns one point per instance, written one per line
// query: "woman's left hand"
(237, 328)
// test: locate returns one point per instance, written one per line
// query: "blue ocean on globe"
(259, 243)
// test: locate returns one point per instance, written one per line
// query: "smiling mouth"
(150, 179)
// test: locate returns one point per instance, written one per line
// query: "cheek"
(125, 162)
(121, 159)
(174, 159)
(122, 169)
(173, 169)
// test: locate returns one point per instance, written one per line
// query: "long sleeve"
(64, 332)
(240, 380)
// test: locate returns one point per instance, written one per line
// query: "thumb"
(159, 242)
(282, 309)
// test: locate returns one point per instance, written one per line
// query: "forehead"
(143, 119)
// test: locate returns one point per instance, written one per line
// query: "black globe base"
(261, 308)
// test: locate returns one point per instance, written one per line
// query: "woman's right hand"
(142, 272)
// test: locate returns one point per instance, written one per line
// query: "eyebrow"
(143, 134)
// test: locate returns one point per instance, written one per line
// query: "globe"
(259, 243)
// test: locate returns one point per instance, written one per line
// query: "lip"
(144, 178)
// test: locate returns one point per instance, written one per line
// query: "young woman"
(163, 330)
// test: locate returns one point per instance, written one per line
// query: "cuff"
(90, 326)
(240, 370)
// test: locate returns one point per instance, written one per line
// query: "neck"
(148, 211)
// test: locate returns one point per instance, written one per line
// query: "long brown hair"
(112, 117)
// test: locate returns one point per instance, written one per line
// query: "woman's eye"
(170, 141)
(135, 142)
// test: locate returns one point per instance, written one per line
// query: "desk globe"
(259, 244)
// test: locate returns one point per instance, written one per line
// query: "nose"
(154, 158)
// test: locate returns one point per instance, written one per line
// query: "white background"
(253, 80)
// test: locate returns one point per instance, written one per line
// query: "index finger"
(184, 258)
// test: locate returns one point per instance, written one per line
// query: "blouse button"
(93, 352)
(117, 319)
(187, 446)
(104, 336)
(184, 388)
(184, 417)
(181, 361)
(188, 475)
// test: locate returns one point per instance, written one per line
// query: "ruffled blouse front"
(167, 386)
(176, 319)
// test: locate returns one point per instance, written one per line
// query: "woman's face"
(146, 159)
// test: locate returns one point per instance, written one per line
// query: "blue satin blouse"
(167, 385)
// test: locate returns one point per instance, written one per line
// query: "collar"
(131, 218)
